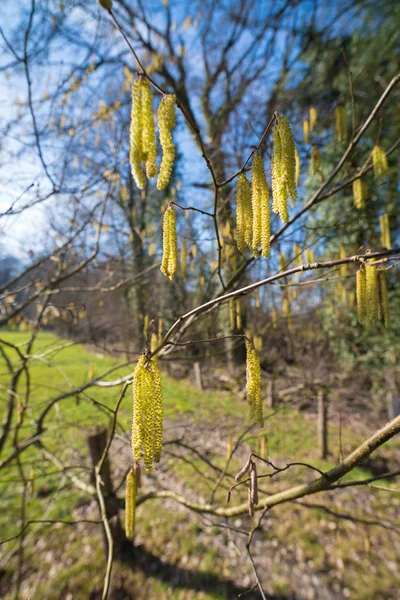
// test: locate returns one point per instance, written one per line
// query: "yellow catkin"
(384, 298)
(232, 316)
(238, 315)
(359, 193)
(283, 168)
(306, 131)
(282, 261)
(147, 412)
(315, 159)
(344, 269)
(372, 293)
(253, 384)
(385, 231)
(340, 124)
(258, 303)
(297, 170)
(263, 447)
(260, 208)
(313, 118)
(183, 258)
(149, 150)
(309, 254)
(135, 153)
(297, 255)
(229, 448)
(169, 263)
(146, 325)
(244, 214)
(130, 504)
(153, 343)
(166, 122)
(285, 306)
(379, 162)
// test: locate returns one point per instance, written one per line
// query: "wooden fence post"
(323, 423)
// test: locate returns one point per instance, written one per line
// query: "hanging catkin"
(359, 193)
(169, 263)
(135, 154)
(130, 504)
(149, 150)
(341, 126)
(253, 384)
(283, 168)
(361, 292)
(315, 159)
(260, 208)
(372, 293)
(244, 214)
(379, 162)
(306, 131)
(183, 258)
(147, 412)
(313, 118)
(297, 157)
(384, 298)
(166, 122)
(385, 231)
(232, 315)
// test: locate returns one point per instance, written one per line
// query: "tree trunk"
(97, 442)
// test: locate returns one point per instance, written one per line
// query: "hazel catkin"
(147, 412)
(315, 159)
(244, 214)
(361, 293)
(372, 294)
(384, 298)
(313, 118)
(306, 131)
(260, 208)
(149, 151)
(166, 122)
(169, 263)
(253, 384)
(283, 168)
(385, 231)
(379, 162)
(359, 193)
(130, 504)
(136, 129)
(340, 124)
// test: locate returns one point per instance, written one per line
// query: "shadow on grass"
(139, 558)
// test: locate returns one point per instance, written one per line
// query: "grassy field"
(337, 539)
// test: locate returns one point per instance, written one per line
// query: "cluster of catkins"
(143, 145)
(147, 422)
(252, 201)
(372, 295)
